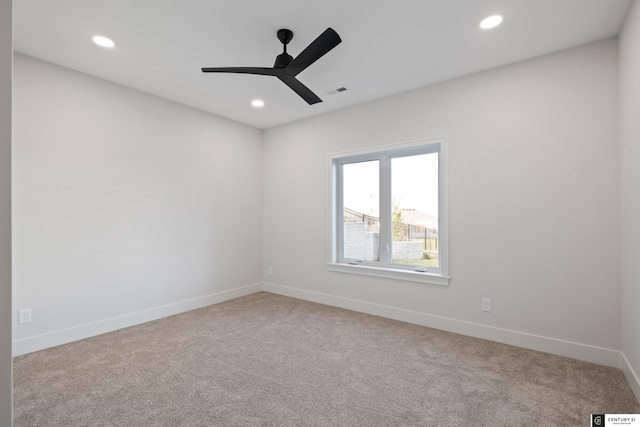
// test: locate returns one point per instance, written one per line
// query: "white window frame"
(384, 268)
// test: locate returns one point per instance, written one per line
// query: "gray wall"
(358, 244)
(533, 157)
(6, 49)
(127, 207)
(630, 191)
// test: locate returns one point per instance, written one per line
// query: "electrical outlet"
(24, 316)
(269, 271)
(486, 304)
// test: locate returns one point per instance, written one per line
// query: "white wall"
(533, 202)
(630, 192)
(126, 207)
(6, 49)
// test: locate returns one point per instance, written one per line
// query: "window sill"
(390, 273)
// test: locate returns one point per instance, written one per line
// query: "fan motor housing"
(282, 60)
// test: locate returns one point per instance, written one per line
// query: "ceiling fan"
(286, 68)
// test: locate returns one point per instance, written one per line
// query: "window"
(388, 211)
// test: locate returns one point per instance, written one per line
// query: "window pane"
(361, 202)
(414, 210)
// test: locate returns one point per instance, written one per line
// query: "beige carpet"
(268, 360)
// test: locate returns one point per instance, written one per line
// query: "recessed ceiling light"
(103, 41)
(258, 103)
(491, 21)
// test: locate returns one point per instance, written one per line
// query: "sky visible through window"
(414, 184)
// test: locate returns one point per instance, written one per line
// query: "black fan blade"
(316, 50)
(304, 92)
(245, 70)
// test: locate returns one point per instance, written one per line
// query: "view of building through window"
(414, 201)
(361, 193)
(413, 210)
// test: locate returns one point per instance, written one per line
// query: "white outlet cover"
(24, 316)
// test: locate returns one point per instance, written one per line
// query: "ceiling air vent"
(338, 90)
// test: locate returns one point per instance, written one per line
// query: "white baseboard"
(632, 376)
(574, 350)
(578, 351)
(63, 336)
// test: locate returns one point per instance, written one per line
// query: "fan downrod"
(284, 58)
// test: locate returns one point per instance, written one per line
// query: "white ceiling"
(387, 46)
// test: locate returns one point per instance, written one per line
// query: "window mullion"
(385, 211)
